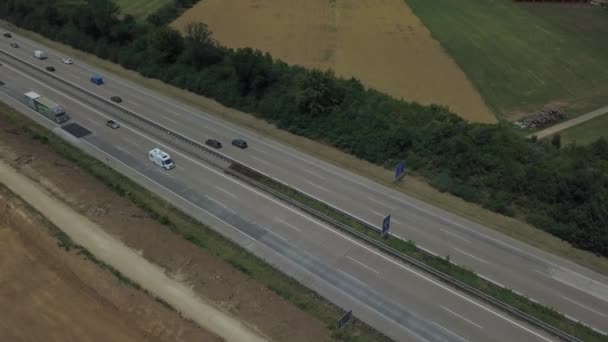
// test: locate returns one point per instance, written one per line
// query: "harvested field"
(58, 295)
(380, 42)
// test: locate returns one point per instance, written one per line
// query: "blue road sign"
(386, 224)
(400, 169)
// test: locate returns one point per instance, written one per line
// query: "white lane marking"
(471, 255)
(377, 213)
(450, 331)
(355, 279)
(444, 287)
(362, 264)
(316, 186)
(464, 318)
(220, 203)
(455, 235)
(226, 191)
(381, 203)
(261, 160)
(123, 150)
(130, 141)
(169, 175)
(275, 234)
(583, 306)
(313, 173)
(491, 280)
(288, 224)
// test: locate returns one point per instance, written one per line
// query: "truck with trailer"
(46, 107)
(161, 159)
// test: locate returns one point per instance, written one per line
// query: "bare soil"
(208, 276)
(380, 42)
(50, 294)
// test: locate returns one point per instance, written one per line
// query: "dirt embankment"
(208, 276)
(50, 294)
(380, 42)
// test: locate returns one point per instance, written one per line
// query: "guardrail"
(378, 245)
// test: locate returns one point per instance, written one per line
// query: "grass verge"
(197, 233)
(411, 185)
(409, 248)
(586, 132)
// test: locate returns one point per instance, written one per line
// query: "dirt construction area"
(50, 294)
(380, 42)
(61, 296)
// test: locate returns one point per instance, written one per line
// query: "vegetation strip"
(549, 318)
(199, 234)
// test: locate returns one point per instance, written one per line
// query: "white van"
(161, 159)
(40, 54)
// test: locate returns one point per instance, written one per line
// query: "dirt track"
(113, 252)
(567, 124)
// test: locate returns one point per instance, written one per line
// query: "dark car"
(7, 35)
(213, 143)
(240, 143)
(112, 124)
(116, 99)
(15, 45)
(50, 68)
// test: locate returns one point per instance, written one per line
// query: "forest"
(560, 189)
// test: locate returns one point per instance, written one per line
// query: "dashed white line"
(275, 234)
(355, 279)
(471, 255)
(584, 306)
(225, 191)
(462, 317)
(316, 186)
(381, 203)
(377, 213)
(288, 224)
(313, 173)
(362, 264)
(123, 150)
(261, 160)
(450, 331)
(218, 202)
(455, 235)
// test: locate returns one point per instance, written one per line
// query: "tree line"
(563, 190)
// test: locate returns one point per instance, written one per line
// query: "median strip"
(516, 304)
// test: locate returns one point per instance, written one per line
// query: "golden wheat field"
(380, 42)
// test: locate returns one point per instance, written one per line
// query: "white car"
(67, 60)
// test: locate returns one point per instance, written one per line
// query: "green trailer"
(46, 107)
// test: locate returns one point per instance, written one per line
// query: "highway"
(573, 290)
(402, 302)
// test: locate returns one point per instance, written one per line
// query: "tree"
(167, 44)
(201, 49)
(318, 93)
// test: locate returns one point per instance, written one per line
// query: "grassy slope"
(521, 57)
(586, 132)
(140, 8)
(410, 185)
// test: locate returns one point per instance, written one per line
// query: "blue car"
(96, 79)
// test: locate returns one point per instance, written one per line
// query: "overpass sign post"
(386, 224)
(400, 170)
(345, 319)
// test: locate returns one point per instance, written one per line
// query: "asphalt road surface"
(398, 300)
(571, 289)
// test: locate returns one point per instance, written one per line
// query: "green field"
(586, 132)
(523, 56)
(140, 8)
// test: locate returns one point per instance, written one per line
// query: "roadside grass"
(523, 56)
(140, 9)
(586, 132)
(546, 314)
(197, 233)
(411, 185)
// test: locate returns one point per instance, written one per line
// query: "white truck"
(40, 54)
(161, 159)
